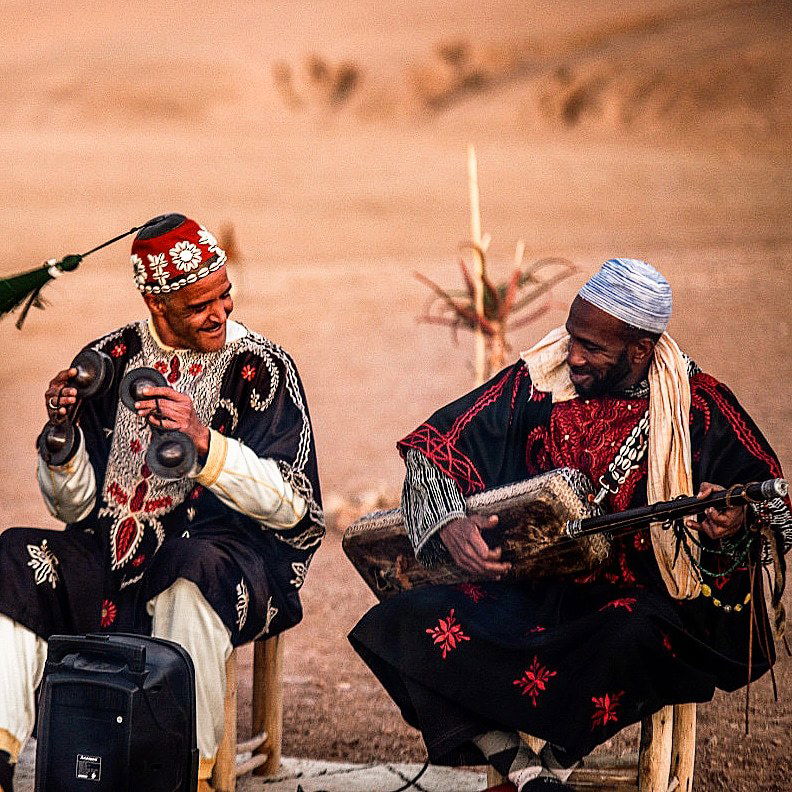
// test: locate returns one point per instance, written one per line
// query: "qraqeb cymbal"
(94, 373)
(171, 454)
(56, 442)
(135, 380)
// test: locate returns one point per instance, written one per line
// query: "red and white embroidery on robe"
(133, 510)
(133, 498)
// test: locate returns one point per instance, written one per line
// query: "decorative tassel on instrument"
(26, 287)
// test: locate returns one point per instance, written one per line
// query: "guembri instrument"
(548, 526)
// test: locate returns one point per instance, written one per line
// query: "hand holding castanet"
(59, 397)
(168, 409)
(172, 452)
(90, 374)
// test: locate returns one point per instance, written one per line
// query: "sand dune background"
(332, 136)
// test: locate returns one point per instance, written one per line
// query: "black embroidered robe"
(570, 661)
(144, 532)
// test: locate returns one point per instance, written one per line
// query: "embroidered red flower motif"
(625, 602)
(136, 446)
(196, 492)
(668, 646)
(118, 350)
(138, 560)
(175, 370)
(534, 680)
(641, 541)
(472, 591)
(605, 708)
(109, 612)
(195, 369)
(161, 366)
(248, 372)
(128, 532)
(448, 634)
(539, 628)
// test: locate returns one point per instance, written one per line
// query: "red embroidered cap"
(171, 252)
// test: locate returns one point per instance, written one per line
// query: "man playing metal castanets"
(204, 540)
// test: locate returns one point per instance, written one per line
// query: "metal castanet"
(93, 377)
(94, 373)
(664, 511)
(171, 454)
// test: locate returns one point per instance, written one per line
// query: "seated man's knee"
(182, 599)
(182, 613)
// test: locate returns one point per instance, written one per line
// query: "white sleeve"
(69, 490)
(430, 500)
(249, 484)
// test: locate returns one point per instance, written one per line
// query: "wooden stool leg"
(654, 759)
(224, 774)
(268, 701)
(683, 754)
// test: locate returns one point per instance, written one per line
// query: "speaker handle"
(98, 645)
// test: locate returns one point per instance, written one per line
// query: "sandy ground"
(333, 138)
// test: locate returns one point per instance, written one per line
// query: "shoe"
(546, 784)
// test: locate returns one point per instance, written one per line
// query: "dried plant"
(508, 305)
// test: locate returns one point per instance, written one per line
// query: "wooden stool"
(267, 718)
(666, 758)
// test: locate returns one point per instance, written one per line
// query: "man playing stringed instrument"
(212, 559)
(666, 620)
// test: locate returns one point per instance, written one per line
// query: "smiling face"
(605, 355)
(194, 317)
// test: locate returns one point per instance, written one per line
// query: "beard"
(606, 381)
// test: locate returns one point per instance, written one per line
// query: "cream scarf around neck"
(668, 454)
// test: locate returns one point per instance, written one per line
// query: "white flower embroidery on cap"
(158, 265)
(139, 268)
(207, 238)
(185, 256)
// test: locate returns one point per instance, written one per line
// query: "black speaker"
(116, 714)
